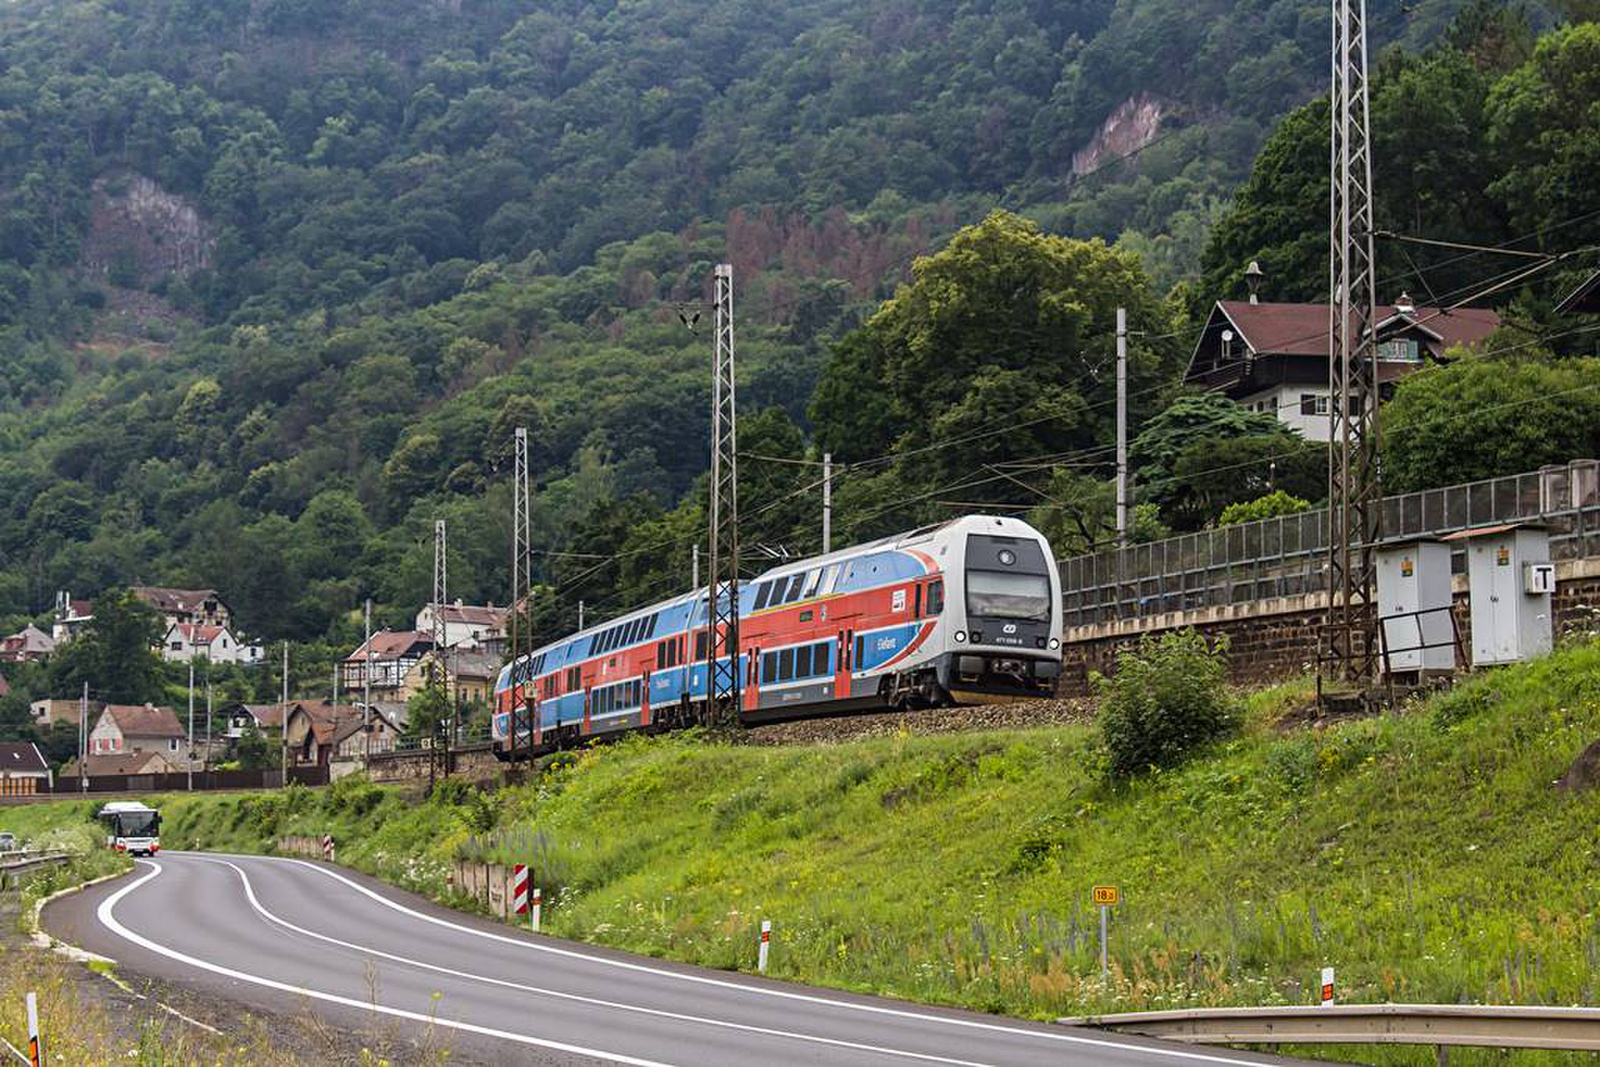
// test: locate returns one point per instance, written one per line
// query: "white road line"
(857, 1046)
(783, 994)
(109, 921)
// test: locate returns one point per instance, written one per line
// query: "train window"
(769, 666)
(916, 610)
(762, 592)
(794, 588)
(700, 644)
(802, 662)
(936, 597)
(861, 646)
(813, 578)
(807, 616)
(822, 658)
(650, 627)
(786, 664)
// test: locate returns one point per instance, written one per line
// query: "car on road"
(8, 842)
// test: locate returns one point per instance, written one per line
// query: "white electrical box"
(1511, 581)
(1414, 601)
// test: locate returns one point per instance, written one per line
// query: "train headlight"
(1055, 642)
(961, 636)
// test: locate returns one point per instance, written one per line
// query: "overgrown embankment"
(1426, 855)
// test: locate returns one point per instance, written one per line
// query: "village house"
(23, 769)
(315, 729)
(472, 673)
(177, 606)
(465, 625)
(121, 764)
(352, 738)
(394, 660)
(185, 641)
(71, 617)
(1273, 358)
(46, 713)
(139, 728)
(27, 645)
(262, 718)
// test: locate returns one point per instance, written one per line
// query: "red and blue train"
(961, 611)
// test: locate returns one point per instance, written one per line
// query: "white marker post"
(533, 912)
(766, 941)
(1108, 897)
(35, 1041)
(327, 847)
(1327, 987)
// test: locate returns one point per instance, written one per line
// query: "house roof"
(393, 644)
(30, 639)
(326, 720)
(473, 663)
(1302, 329)
(122, 763)
(143, 720)
(78, 610)
(164, 599)
(21, 757)
(1585, 299)
(198, 635)
(473, 614)
(397, 712)
(264, 714)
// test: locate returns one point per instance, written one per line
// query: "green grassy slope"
(1425, 855)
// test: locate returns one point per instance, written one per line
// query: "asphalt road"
(297, 938)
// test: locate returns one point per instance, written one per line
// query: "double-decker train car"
(966, 610)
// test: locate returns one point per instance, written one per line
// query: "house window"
(177, 646)
(1313, 404)
(1400, 349)
(172, 744)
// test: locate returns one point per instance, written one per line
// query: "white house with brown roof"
(71, 616)
(23, 769)
(393, 659)
(464, 624)
(262, 718)
(1273, 358)
(188, 640)
(139, 728)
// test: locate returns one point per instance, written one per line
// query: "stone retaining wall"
(477, 764)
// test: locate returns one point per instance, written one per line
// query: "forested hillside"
(278, 278)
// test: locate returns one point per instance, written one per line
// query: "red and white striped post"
(766, 942)
(327, 847)
(35, 1039)
(519, 889)
(1327, 987)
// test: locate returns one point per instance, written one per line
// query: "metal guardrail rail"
(1443, 1025)
(13, 864)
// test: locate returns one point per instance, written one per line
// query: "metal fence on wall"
(1287, 556)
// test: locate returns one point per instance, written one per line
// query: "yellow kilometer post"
(1108, 897)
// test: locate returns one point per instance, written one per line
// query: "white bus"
(131, 827)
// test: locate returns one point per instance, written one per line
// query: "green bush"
(1166, 699)
(1269, 506)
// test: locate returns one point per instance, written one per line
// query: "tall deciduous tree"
(115, 654)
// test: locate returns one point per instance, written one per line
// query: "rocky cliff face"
(1134, 124)
(139, 233)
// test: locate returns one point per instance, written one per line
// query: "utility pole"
(188, 764)
(1354, 494)
(580, 614)
(83, 740)
(694, 580)
(441, 583)
(521, 586)
(722, 590)
(1122, 427)
(283, 728)
(209, 712)
(366, 677)
(827, 503)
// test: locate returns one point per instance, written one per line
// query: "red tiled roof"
(392, 644)
(1302, 329)
(326, 719)
(265, 714)
(142, 720)
(198, 635)
(21, 757)
(473, 615)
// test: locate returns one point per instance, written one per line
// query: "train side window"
(813, 579)
(830, 578)
(822, 658)
(786, 665)
(916, 610)
(936, 597)
(802, 661)
(700, 645)
(861, 646)
(769, 666)
(794, 589)
(763, 591)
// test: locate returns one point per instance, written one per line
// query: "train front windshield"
(1006, 595)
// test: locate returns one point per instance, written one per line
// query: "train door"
(588, 704)
(644, 698)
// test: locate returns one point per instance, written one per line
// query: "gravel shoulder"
(843, 728)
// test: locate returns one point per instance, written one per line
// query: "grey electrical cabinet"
(1511, 581)
(1414, 606)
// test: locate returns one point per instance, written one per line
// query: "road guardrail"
(14, 864)
(1444, 1025)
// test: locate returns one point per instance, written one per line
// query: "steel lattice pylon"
(722, 587)
(441, 582)
(521, 586)
(1354, 496)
